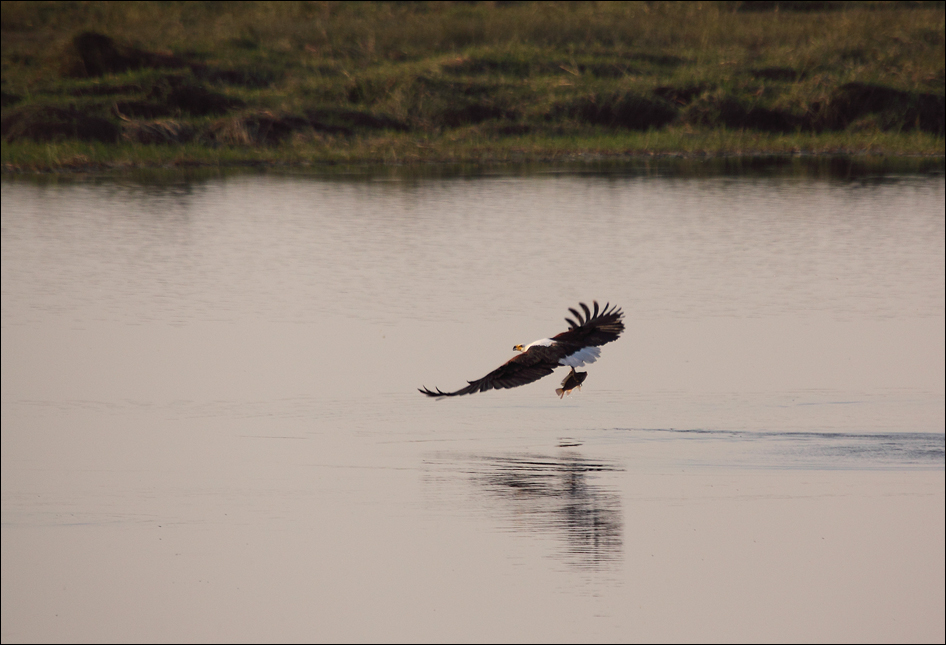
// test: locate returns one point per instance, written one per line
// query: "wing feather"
(518, 370)
(581, 321)
(597, 328)
(588, 313)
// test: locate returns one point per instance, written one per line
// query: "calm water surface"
(212, 430)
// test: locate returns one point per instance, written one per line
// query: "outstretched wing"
(518, 370)
(594, 329)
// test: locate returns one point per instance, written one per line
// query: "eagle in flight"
(572, 348)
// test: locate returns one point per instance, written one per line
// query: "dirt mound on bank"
(716, 109)
(48, 123)
(884, 107)
(624, 110)
(263, 128)
(92, 54)
(149, 132)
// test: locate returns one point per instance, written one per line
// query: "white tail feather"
(582, 356)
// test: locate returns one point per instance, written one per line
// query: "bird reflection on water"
(557, 495)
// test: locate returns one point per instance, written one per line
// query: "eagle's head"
(519, 348)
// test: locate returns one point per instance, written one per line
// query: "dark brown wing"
(518, 370)
(594, 329)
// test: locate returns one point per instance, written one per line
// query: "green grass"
(347, 83)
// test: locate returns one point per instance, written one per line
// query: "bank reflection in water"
(548, 495)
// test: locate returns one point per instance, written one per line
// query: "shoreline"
(79, 164)
(103, 88)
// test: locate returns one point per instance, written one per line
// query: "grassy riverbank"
(123, 85)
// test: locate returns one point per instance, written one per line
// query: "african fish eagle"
(572, 348)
